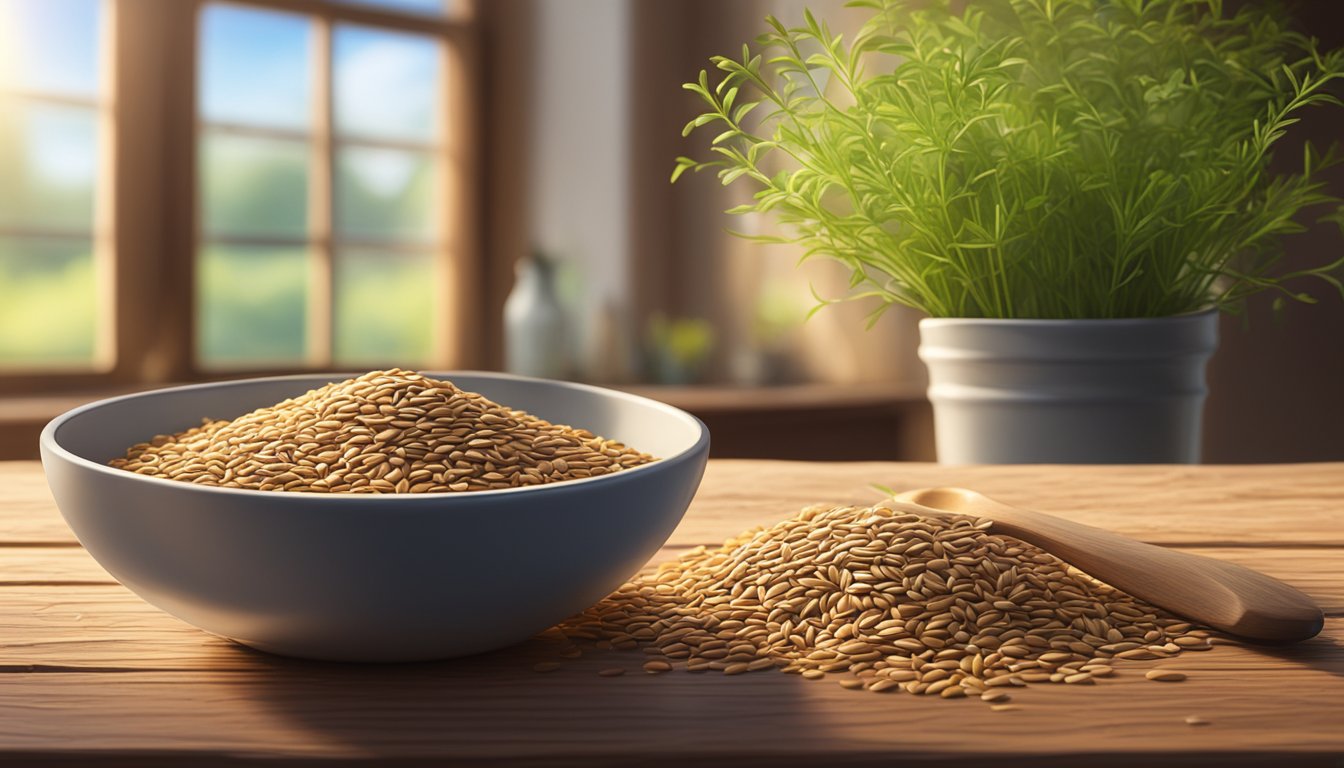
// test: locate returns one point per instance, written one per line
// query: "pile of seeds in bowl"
(887, 599)
(384, 432)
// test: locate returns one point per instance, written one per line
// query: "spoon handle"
(1218, 594)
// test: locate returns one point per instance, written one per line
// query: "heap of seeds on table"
(388, 431)
(885, 599)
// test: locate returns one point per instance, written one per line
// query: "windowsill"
(785, 397)
(23, 409)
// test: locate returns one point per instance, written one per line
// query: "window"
(320, 160)
(293, 193)
(55, 131)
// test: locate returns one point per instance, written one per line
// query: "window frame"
(152, 212)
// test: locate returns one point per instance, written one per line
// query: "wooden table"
(89, 674)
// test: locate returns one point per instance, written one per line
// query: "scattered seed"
(611, 672)
(1165, 675)
(851, 683)
(1196, 720)
(995, 694)
(657, 666)
(1141, 654)
(1004, 707)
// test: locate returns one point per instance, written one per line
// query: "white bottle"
(536, 336)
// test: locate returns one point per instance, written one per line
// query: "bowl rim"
(50, 445)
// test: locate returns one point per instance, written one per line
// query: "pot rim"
(1202, 315)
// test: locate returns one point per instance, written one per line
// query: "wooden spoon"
(1218, 594)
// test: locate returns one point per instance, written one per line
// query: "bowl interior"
(103, 431)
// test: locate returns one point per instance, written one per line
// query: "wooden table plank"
(473, 709)
(103, 625)
(28, 515)
(40, 566)
(1318, 571)
(1301, 504)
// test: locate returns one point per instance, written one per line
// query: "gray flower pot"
(1068, 391)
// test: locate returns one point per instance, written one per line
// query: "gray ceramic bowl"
(372, 577)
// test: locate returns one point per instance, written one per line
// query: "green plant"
(678, 347)
(1032, 158)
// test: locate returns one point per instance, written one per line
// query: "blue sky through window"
(417, 6)
(387, 84)
(256, 67)
(50, 46)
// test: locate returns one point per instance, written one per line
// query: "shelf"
(719, 398)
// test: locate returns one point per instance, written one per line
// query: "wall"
(580, 140)
(688, 263)
(1277, 379)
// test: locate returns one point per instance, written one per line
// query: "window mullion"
(322, 202)
(153, 171)
(460, 281)
(444, 350)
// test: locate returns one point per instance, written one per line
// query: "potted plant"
(1072, 190)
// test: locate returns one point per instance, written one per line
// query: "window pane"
(384, 308)
(254, 186)
(48, 158)
(385, 194)
(387, 85)
(256, 67)
(415, 6)
(252, 306)
(50, 45)
(48, 302)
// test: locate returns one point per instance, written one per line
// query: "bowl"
(377, 577)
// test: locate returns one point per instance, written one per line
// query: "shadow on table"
(496, 704)
(1324, 653)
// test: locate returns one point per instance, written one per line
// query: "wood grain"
(28, 515)
(46, 566)
(493, 705)
(91, 675)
